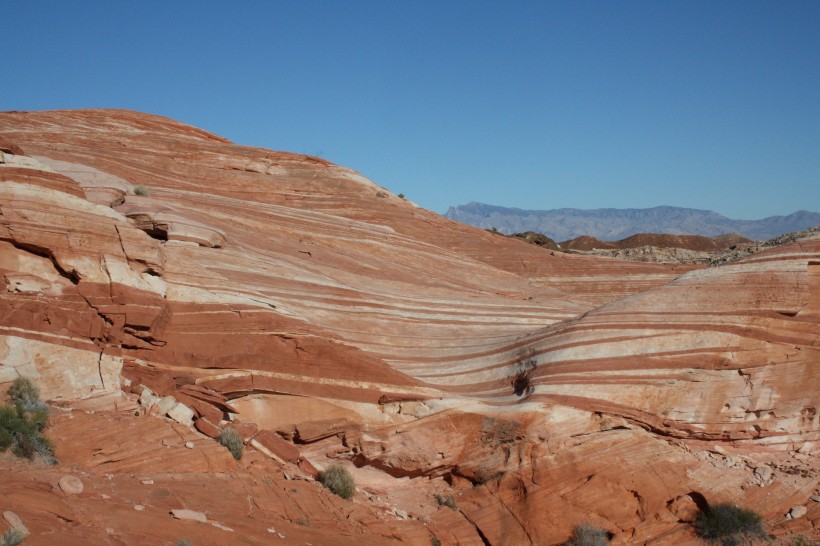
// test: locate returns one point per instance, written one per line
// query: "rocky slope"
(613, 224)
(655, 247)
(332, 321)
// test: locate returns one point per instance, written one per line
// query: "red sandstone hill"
(328, 320)
(658, 240)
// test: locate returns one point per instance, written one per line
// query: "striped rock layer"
(547, 389)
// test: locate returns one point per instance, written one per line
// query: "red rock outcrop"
(330, 320)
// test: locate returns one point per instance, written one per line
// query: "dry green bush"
(13, 537)
(588, 535)
(22, 423)
(729, 525)
(230, 439)
(338, 480)
(447, 501)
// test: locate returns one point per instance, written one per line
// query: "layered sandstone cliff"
(332, 320)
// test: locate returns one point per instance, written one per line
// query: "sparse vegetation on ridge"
(141, 190)
(800, 540)
(588, 535)
(230, 439)
(447, 501)
(729, 525)
(22, 423)
(338, 480)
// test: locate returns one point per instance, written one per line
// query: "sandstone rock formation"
(327, 320)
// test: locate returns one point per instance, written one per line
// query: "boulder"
(71, 485)
(275, 446)
(207, 428)
(189, 515)
(166, 404)
(798, 511)
(182, 414)
(763, 473)
(15, 522)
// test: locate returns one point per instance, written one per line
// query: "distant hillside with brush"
(615, 224)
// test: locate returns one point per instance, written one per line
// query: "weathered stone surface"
(161, 222)
(207, 428)
(275, 446)
(763, 473)
(246, 431)
(182, 414)
(539, 389)
(71, 485)
(798, 511)
(147, 397)
(166, 404)
(189, 515)
(15, 522)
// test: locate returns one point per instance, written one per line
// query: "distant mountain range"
(614, 224)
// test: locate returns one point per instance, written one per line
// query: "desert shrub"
(23, 447)
(588, 535)
(39, 418)
(184, 543)
(6, 439)
(338, 480)
(13, 537)
(230, 439)
(522, 370)
(23, 392)
(435, 542)
(484, 475)
(447, 501)
(800, 540)
(729, 525)
(141, 190)
(45, 448)
(21, 425)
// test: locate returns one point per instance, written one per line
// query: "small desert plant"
(800, 540)
(13, 537)
(23, 392)
(303, 522)
(184, 543)
(230, 439)
(401, 196)
(447, 501)
(141, 190)
(338, 480)
(435, 542)
(729, 525)
(21, 425)
(588, 535)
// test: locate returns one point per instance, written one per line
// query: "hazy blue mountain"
(614, 224)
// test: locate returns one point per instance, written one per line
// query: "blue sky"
(710, 105)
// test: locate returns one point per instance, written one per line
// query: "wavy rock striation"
(326, 320)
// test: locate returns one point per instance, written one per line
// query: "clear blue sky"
(711, 105)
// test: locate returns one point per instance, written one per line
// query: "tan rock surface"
(71, 485)
(284, 293)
